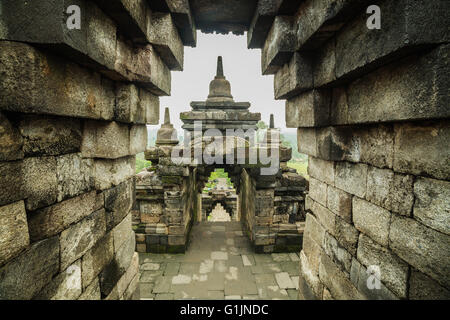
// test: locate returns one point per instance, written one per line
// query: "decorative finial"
(219, 67)
(272, 122)
(167, 116)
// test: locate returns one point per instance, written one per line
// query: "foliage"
(141, 163)
(212, 181)
(301, 167)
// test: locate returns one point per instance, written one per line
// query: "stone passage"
(169, 194)
(219, 264)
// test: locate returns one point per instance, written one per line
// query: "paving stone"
(150, 276)
(172, 269)
(216, 295)
(181, 279)
(248, 260)
(294, 256)
(280, 257)
(146, 290)
(150, 266)
(162, 284)
(164, 296)
(284, 281)
(293, 268)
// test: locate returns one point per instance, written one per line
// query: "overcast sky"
(242, 67)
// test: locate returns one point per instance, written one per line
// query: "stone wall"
(371, 108)
(74, 105)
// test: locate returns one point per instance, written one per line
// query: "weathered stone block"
(41, 184)
(11, 142)
(138, 139)
(393, 271)
(387, 94)
(118, 202)
(318, 191)
(96, 259)
(129, 275)
(279, 46)
(405, 28)
(130, 16)
(49, 135)
(321, 169)
(101, 37)
(14, 231)
(351, 178)
(309, 109)
(423, 149)
(422, 247)
(39, 263)
(401, 195)
(163, 35)
(65, 286)
(265, 13)
(311, 277)
(74, 175)
(12, 183)
(347, 235)
(372, 220)
(337, 253)
(337, 281)
(325, 65)
(432, 205)
(108, 173)
(359, 276)
(294, 77)
(51, 82)
(340, 203)
(317, 21)
(312, 250)
(314, 229)
(109, 140)
(51, 220)
(422, 287)
(81, 237)
(111, 274)
(150, 103)
(121, 232)
(325, 217)
(144, 66)
(379, 186)
(128, 106)
(92, 292)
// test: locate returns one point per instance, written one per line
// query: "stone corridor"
(219, 264)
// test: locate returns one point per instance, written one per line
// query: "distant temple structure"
(170, 195)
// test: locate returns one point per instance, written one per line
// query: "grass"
(301, 167)
(141, 163)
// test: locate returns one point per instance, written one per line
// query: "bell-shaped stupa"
(219, 111)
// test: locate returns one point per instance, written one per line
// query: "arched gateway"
(219, 133)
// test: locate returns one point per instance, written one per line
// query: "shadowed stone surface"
(213, 269)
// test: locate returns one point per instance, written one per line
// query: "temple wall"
(372, 112)
(73, 110)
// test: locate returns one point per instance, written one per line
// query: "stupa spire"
(219, 73)
(167, 116)
(219, 88)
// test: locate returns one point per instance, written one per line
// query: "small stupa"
(167, 137)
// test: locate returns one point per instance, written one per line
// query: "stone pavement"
(219, 264)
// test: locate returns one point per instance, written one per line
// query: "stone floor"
(219, 264)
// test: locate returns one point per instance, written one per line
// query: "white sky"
(242, 67)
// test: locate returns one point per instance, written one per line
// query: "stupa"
(220, 111)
